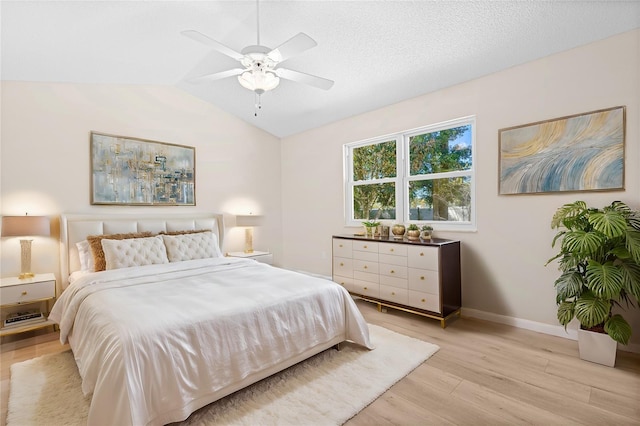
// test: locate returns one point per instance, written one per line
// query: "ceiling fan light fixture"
(259, 81)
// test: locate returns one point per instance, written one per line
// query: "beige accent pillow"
(200, 245)
(95, 242)
(134, 252)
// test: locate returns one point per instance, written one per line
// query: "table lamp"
(25, 226)
(248, 221)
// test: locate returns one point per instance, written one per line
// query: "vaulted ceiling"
(377, 52)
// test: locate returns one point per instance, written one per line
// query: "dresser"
(415, 276)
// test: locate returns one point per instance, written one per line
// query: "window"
(423, 175)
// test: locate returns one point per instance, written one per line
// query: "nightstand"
(30, 293)
(260, 256)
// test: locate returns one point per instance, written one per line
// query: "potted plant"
(600, 263)
(413, 233)
(370, 227)
(427, 230)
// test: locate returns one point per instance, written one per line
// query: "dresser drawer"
(365, 266)
(394, 294)
(342, 248)
(365, 255)
(365, 246)
(343, 281)
(393, 249)
(424, 280)
(393, 270)
(343, 266)
(23, 293)
(366, 288)
(423, 257)
(394, 282)
(392, 260)
(366, 276)
(426, 301)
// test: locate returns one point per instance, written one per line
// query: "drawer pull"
(393, 293)
(365, 266)
(341, 264)
(365, 246)
(421, 254)
(365, 288)
(423, 300)
(391, 250)
(393, 272)
(24, 293)
(422, 278)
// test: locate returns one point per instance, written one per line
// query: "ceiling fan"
(261, 70)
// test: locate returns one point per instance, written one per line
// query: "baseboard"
(554, 330)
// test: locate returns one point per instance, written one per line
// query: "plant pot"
(413, 235)
(597, 347)
(398, 231)
(370, 230)
(426, 235)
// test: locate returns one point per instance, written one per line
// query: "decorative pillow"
(86, 257)
(192, 231)
(96, 246)
(134, 252)
(200, 245)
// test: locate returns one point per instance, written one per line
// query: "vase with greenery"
(599, 260)
(427, 230)
(370, 227)
(413, 232)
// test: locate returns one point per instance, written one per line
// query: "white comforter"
(155, 343)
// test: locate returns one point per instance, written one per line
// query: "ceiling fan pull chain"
(258, 105)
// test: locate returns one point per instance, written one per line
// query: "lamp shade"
(248, 220)
(25, 226)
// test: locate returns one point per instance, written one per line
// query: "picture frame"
(581, 152)
(131, 171)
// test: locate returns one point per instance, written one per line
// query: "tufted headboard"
(76, 227)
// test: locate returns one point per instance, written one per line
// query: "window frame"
(402, 179)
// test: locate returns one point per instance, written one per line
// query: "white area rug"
(327, 389)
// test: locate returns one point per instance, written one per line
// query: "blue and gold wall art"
(582, 152)
(130, 171)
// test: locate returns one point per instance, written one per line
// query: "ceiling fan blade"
(292, 47)
(198, 36)
(217, 75)
(300, 77)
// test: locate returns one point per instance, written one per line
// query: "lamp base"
(26, 275)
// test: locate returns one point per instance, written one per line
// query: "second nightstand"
(260, 256)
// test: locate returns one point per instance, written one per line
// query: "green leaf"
(568, 286)
(568, 214)
(632, 243)
(566, 312)
(583, 243)
(604, 280)
(610, 222)
(631, 278)
(618, 329)
(592, 310)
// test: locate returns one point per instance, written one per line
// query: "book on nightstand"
(20, 318)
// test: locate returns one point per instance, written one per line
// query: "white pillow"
(201, 245)
(134, 252)
(86, 257)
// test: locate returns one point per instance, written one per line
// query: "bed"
(157, 336)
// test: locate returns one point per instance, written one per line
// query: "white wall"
(45, 170)
(503, 262)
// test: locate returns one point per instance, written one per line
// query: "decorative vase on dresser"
(422, 277)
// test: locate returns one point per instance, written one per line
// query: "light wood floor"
(484, 374)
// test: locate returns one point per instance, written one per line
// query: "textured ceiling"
(378, 53)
